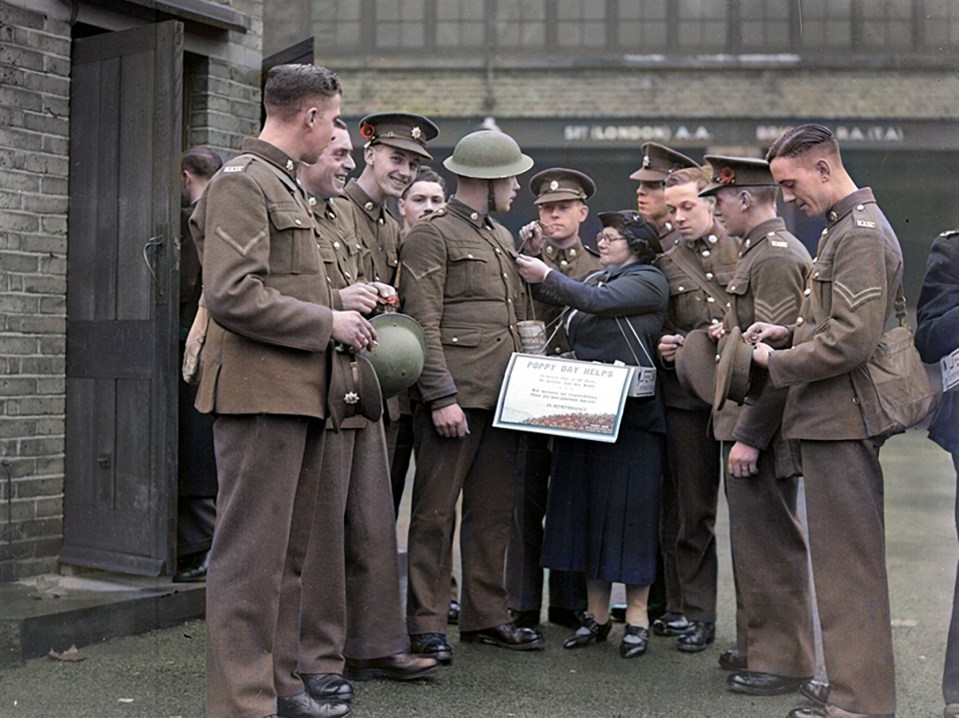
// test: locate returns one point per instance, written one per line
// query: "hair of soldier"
(642, 238)
(700, 175)
(289, 87)
(801, 139)
(201, 162)
(426, 173)
(762, 194)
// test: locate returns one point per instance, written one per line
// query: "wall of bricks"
(34, 145)
(638, 93)
(35, 47)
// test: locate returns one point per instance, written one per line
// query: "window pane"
(940, 23)
(702, 24)
(825, 23)
(521, 23)
(399, 23)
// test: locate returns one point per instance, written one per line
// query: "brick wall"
(34, 144)
(224, 106)
(641, 93)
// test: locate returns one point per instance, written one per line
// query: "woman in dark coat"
(602, 516)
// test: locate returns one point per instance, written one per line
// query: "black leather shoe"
(525, 619)
(700, 635)
(398, 667)
(566, 617)
(617, 613)
(453, 613)
(755, 683)
(732, 660)
(808, 711)
(589, 632)
(816, 691)
(633, 649)
(301, 705)
(326, 687)
(506, 635)
(671, 625)
(432, 645)
(196, 572)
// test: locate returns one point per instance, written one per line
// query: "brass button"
(770, 234)
(713, 239)
(296, 221)
(748, 242)
(455, 339)
(563, 262)
(681, 288)
(368, 206)
(860, 207)
(469, 256)
(474, 215)
(705, 252)
(709, 275)
(336, 245)
(710, 300)
(799, 320)
(833, 216)
(815, 275)
(807, 292)
(732, 287)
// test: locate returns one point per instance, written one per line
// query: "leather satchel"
(892, 387)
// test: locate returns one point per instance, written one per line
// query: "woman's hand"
(531, 269)
(773, 334)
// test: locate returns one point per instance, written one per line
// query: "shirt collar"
(847, 203)
(271, 153)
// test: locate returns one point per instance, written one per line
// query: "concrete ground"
(161, 674)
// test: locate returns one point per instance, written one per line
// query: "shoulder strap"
(692, 271)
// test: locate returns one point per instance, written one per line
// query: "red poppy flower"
(367, 131)
(726, 175)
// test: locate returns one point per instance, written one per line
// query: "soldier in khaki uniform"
(561, 196)
(395, 146)
(460, 282)
(770, 561)
(851, 294)
(351, 603)
(665, 595)
(698, 266)
(658, 162)
(263, 373)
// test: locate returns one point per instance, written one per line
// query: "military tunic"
(693, 455)
(851, 294)
(460, 282)
(376, 230)
(524, 575)
(352, 608)
(263, 372)
(774, 623)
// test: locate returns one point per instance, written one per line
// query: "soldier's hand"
(531, 269)
(772, 334)
(359, 297)
(668, 345)
(450, 421)
(716, 330)
(532, 238)
(194, 343)
(761, 354)
(383, 290)
(743, 461)
(349, 327)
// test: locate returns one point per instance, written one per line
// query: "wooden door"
(121, 425)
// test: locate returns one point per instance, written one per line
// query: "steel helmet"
(487, 154)
(400, 351)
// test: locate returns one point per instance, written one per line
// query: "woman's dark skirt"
(602, 514)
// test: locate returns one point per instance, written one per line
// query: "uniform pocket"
(460, 337)
(293, 247)
(821, 283)
(465, 270)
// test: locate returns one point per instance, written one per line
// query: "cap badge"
(646, 162)
(290, 165)
(726, 175)
(553, 186)
(367, 131)
(416, 132)
(351, 397)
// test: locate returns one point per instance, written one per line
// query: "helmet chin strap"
(490, 197)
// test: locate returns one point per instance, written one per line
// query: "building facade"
(97, 100)
(583, 83)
